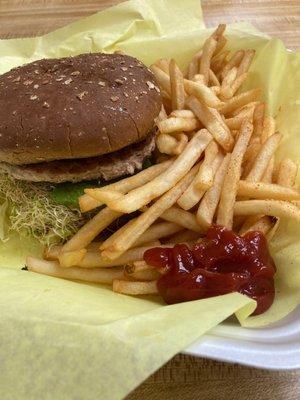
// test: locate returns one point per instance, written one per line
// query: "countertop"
(183, 377)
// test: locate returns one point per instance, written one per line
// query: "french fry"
(183, 114)
(177, 86)
(229, 189)
(71, 258)
(184, 236)
(152, 243)
(181, 217)
(209, 202)
(218, 36)
(88, 203)
(198, 78)
(268, 174)
(219, 31)
(218, 61)
(172, 124)
(162, 78)
(251, 153)
(163, 64)
(137, 266)
(263, 158)
(240, 100)
(127, 184)
(134, 288)
(213, 80)
(52, 253)
(274, 208)
(216, 90)
(234, 61)
(166, 143)
(204, 178)
(145, 220)
(91, 229)
(228, 79)
(258, 119)
(245, 108)
(202, 92)
(141, 196)
(220, 133)
(110, 255)
(94, 259)
(262, 224)
(208, 50)
(261, 190)
(269, 126)
(220, 44)
(107, 194)
(286, 177)
(246, 62)
(236, 121)
(194, 65)
(236, 85)
(146, 273)
(52, 268)
(229, 92)
(110, 240)
(158, 231)
(194, 194)
(182, 141)
(287, 173)
(270, 234)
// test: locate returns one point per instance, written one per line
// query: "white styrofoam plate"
(274, 347)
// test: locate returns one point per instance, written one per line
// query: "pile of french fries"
(216, 151)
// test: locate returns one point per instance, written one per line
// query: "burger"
(68, 124)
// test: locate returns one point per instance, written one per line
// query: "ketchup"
(221, 263)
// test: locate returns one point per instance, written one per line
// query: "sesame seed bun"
(75, 107)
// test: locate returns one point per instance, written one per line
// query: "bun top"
(75, 107)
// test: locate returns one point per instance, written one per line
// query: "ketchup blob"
(223, 262)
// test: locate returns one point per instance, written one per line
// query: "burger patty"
(106, 167)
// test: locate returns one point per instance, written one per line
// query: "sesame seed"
(81, 95)
(126, 94)
(45, 81)
(101, 83)
(68, 81)
(46, 104)
(114, 98)
(14, 112)
(119, 81)
(27, 82)
(33, 97)
(59, 79)
(75, 73)
(124, 68)
(150, 85)
(16, 79)
(36, 86)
